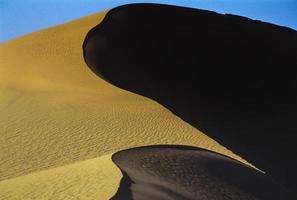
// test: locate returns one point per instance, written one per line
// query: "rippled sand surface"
(60, 123)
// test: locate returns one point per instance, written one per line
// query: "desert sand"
(60, 123)
(167, 172)
(232, 77)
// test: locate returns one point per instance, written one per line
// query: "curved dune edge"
(55, 112)
(82, 180)
(230, 76)
(184, 172)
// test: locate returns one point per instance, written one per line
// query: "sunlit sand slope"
(54, 111)
(83, 180)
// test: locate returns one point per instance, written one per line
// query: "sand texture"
(58, 119)
(167, 172)
(231, 77)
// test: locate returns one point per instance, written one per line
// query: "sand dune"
(55, 112)
(91, 179)
(165, 172)
(231, 77)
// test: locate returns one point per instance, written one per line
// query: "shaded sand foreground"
(231, 77)
(55, 112)
(188, 173)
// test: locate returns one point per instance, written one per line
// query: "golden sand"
(74, 181)
(58, 120)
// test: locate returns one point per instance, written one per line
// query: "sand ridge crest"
(55, 112)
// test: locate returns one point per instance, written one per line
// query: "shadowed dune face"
(182, 172)
(57, 120)
(231, 77)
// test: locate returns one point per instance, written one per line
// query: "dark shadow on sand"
(167, 172)
(231, 77)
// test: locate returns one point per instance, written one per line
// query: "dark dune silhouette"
(184, 173)
(231, 77)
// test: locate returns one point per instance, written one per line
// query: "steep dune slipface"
(54, 112)
(165, 172)
(231, 77)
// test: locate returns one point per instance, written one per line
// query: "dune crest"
(231, 77)
(164, 172)
(55, 112)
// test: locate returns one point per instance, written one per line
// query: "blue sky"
(19, 17)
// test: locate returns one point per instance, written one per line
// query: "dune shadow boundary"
(231, 77)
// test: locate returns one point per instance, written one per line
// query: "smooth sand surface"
(56, 115)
